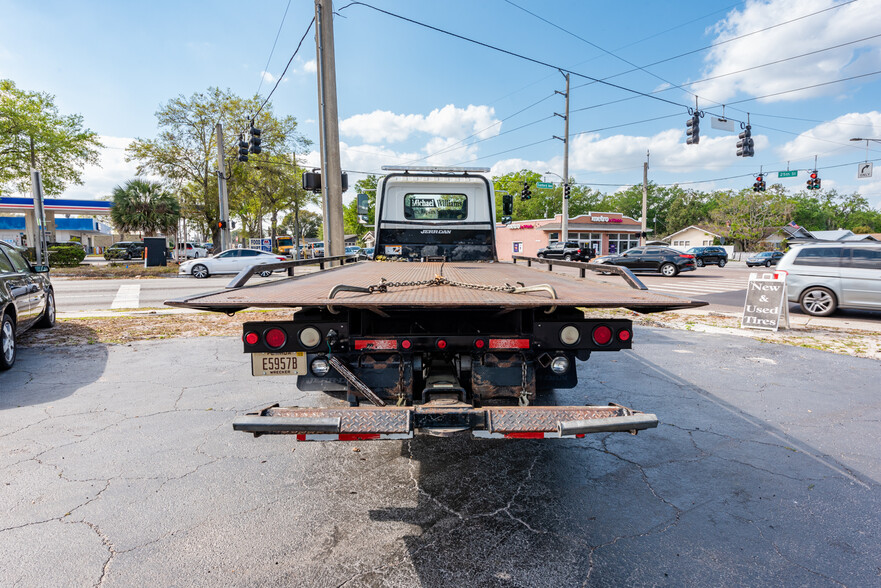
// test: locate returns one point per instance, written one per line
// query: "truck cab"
(423, 214)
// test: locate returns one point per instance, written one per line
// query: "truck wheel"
(568, 257)
(47, 321)
(7, 342)
(699, 262)
(722, 263)
(200, 271)
(669, 270)
(818, 301)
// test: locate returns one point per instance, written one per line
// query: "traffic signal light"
(759, 185)
(221, 224)
(693, 129)
(566, 190)
(745, 147)
(525, 194)
(814, 181)
(255, 140)
(243, 149)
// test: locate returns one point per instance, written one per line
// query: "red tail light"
(405, 344)
(479, 343)
(251, 338)
(275, 338)
(686, 255)
(602, 335)
(624, 335)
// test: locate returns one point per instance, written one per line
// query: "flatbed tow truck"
(435, 335)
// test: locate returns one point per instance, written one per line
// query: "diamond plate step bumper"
(393, 422)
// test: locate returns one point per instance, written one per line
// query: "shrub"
(66, 256)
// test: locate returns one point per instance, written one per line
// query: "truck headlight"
(320, 366)
(560, 364)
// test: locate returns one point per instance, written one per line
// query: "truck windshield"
(284, 241)
(435, 206)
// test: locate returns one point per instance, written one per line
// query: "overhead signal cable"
(272, 51)
(281, 77)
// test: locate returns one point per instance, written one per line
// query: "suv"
(568, 251)
(709, 256)
(191, 250)
(822, 277)
(125, 250)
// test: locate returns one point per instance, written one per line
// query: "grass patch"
(120, 269)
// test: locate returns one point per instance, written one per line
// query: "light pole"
(564, 226)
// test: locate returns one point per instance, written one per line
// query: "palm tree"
(144, 206)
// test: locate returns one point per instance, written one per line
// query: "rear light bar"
(509, 343)
(377, 344)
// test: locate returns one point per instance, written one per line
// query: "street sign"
(765, 302)
(864, 170)
(723, 124)
(544, 185)
(788, 174)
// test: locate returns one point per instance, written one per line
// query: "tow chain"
(402, 400)
(439, 280)
(524, 395)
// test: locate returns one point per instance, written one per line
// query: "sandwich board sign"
(765, 302)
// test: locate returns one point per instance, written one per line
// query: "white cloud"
(310, 66)
(824, 137)
(668, 150)
(267, 77)
(448, 122)
(99, 181)
(841, 25)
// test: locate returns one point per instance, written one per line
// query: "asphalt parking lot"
(120, 468)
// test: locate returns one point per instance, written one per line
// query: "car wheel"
(127, 256)
(699, 262)
(7, 342)
(196, 256)
(265, 273)
(47, 321)
(722, 263)
(669, 270)
(818, 301)
(200, 271)
(767, 264)
(567, 257)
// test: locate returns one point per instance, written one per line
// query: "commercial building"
(88, 231)
(605, 232)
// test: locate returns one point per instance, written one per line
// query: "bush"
(66, 256)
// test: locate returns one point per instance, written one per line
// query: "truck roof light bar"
(435, 169)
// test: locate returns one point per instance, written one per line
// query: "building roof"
(712, 231)
(836, 235)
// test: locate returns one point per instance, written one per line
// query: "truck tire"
(200, 271)
(818, 301)
(669, 270)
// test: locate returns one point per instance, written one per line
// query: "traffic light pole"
(331, 169)
(565, 224)
(645, 199)
(221, 184)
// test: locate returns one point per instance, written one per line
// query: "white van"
(823, 277)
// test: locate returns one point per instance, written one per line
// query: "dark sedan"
(26, 300)
(765, 258)
(654, 259)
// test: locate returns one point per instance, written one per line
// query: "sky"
(806, 74)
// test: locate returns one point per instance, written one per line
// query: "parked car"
(125, 250)
(765, 258)
(353, 250)
(231, 261)
(655, 259)
(569, 251)
(823, 277)
(366, 253)
(26, 300)
(709, 256)
(191, 250)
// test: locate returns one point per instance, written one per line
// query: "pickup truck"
(436, 336)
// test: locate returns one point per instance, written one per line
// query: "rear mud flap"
(393, 422)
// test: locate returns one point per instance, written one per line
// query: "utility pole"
(565, 224)
(645, 198)
(40, 245)
(224, 198)
(331, 169)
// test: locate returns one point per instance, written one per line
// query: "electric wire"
(281, 77)
(272, 51)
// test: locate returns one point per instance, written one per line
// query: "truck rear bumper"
(390, 422)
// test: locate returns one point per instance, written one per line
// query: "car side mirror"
(41, 269)
(363, 205)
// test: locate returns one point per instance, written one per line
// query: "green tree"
(185, 151)
(352, 224)
(144, 206)
(749, 215)
(34, 134)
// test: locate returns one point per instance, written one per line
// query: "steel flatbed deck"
(440, 285)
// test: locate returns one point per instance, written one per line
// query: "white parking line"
(128, 296)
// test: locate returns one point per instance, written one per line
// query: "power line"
(506, 151)
(281, 77)
(266, 68)
(873, 73)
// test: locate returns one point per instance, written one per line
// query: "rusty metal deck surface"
(313, 289)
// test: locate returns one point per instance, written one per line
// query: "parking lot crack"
(411, 468)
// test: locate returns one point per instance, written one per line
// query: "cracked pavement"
(119, 467)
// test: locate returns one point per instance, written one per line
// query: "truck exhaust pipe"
(632, 423)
